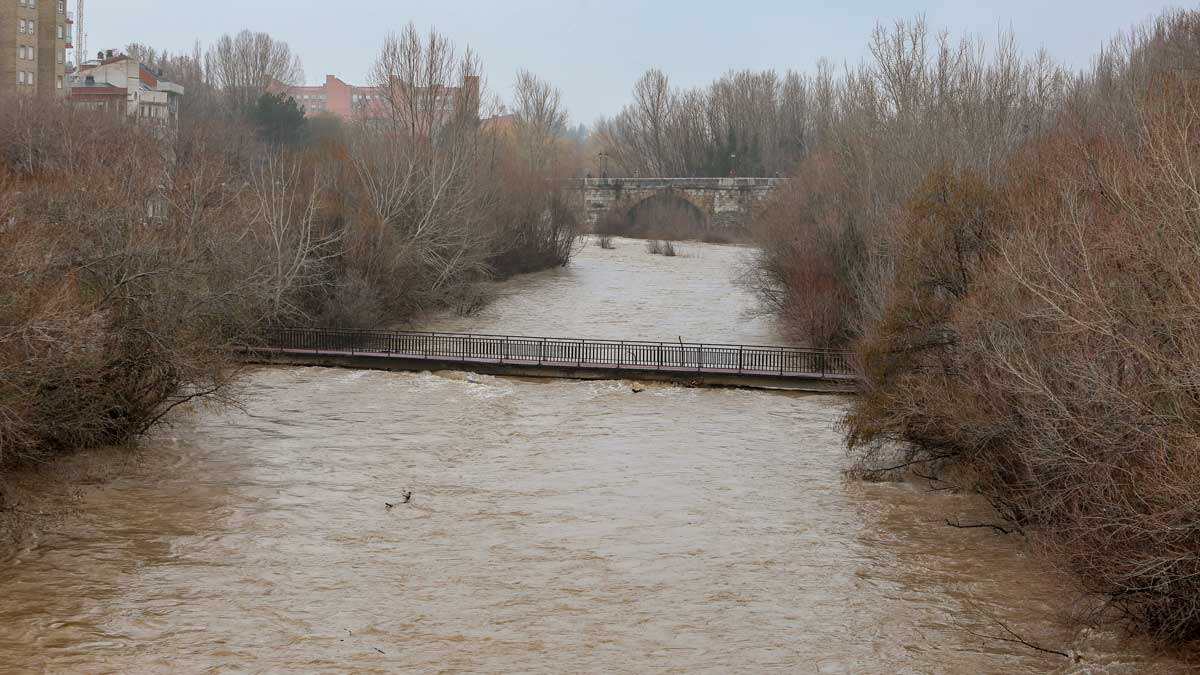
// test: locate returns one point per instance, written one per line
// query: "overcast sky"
(593, 50)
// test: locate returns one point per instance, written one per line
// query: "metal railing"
(565, 352)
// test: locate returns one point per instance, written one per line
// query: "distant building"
(120, 84)
(34, 38)
(350, 102)
(503, 123)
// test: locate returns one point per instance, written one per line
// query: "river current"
(554, 526)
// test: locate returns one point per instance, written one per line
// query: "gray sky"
(593, 50)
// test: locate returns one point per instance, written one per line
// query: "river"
(554, 527)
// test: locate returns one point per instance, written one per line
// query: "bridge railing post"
(541, 351)
(740, 350)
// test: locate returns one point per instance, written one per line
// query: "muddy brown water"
(555, 526)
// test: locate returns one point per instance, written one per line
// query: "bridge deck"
(727, 364)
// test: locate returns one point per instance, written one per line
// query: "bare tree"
(541, 120)
(284, 198)
(425, 84)
(245, 66)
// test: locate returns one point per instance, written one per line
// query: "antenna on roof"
(81, 35)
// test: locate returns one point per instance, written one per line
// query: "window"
(21, 52)
(20, 77)
(62, 55)
(21, 25)
(31, 31)
(60, 32)
(29, 77)
(62, 6)
(59, 83)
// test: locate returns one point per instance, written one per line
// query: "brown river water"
(555, 526)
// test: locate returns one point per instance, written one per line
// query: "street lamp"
(732, 166)
(603, 164)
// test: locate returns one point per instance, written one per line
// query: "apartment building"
(121, 84)
(350, 102)
(34, 38)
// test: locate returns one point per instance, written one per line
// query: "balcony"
(70, 18)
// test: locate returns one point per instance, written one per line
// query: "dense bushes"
(828, 239)
(117, 284)
(1029, 327)
(132, 259)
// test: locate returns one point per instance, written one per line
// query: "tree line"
(745, 123)
(133, 263)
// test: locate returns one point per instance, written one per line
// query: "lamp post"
(733, 166)
(603, 164)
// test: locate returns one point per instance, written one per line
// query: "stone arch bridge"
(719, 203)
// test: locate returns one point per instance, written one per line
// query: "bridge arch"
(669, 213)
(727, 204)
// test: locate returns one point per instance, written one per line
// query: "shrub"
(1042, 339)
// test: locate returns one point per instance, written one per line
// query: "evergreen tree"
(278, 119)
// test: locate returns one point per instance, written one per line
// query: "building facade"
(34, 38)
(350, 102)
(123, 85)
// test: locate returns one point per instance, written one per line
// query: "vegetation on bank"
(1014, 253)
(132, 259)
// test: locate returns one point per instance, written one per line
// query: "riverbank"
(553, 524)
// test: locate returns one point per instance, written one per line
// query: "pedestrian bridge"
(692, 363)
